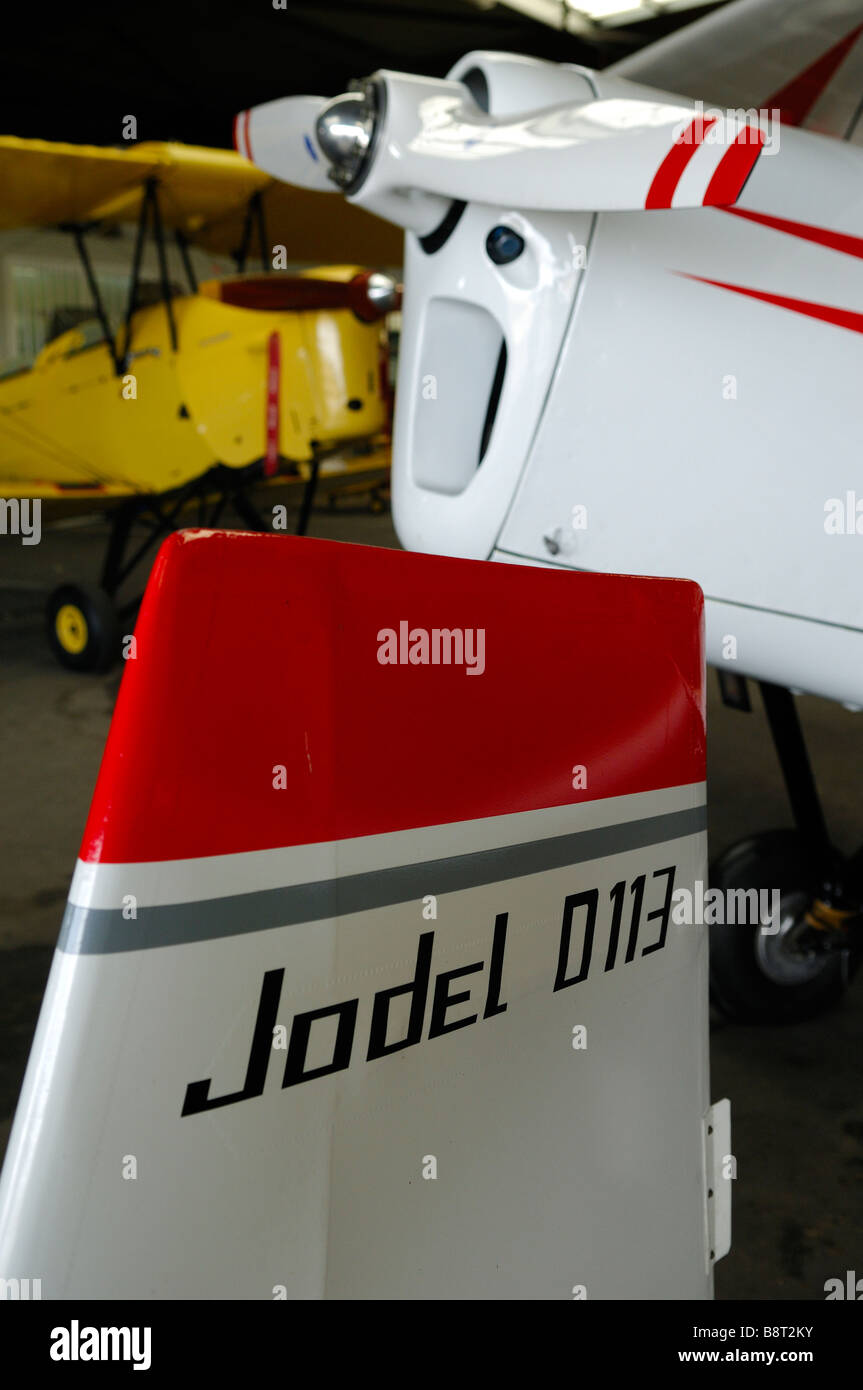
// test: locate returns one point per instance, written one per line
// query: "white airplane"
(494, 1025)
(632, 342)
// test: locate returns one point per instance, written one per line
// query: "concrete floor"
(797, 1100)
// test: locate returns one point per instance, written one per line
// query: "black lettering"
(418, 987)
(617, 895)
(588, 899)
(495, 969)
(197, 1092)
(299, 1044)
(664, 912)
(443, 1000)
(637, 891)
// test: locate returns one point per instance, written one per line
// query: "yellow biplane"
(199, 396)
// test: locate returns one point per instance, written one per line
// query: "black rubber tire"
(738, 984)
(102, 645)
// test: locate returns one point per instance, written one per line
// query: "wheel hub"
(783, 956)
(71, 628)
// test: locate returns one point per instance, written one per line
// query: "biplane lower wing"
(383, 998)
(56, 492)
(348, 464)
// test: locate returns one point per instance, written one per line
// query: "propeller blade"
(279, 137)
(404, 146)
(369, 294)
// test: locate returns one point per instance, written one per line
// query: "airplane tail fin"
(369, 985)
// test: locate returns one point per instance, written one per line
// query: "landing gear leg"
(248, 512)
(790, 745)
(308, 496)
(787, 966)
(85, 622)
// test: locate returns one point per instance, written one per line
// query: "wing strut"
(93, 285)
(149, 204)
(254, 214)
(159, 233)
(183, 248)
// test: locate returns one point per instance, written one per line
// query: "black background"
(183, 69)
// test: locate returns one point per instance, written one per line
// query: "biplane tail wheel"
(83, 628)
(775, 976)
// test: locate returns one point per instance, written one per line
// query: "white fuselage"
(649, 421)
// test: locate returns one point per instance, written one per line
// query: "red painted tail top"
(414, 707)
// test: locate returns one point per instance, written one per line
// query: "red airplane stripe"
(796, 99)
(667, 176)
(734, 168)
(842, 318)
(241, 124)
(837, 241)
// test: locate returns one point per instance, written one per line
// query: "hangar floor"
(797, 1101)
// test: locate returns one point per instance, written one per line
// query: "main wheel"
(83, 628)
(760, 977)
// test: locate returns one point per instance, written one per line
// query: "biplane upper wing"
(801, 57)
(204, 193)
